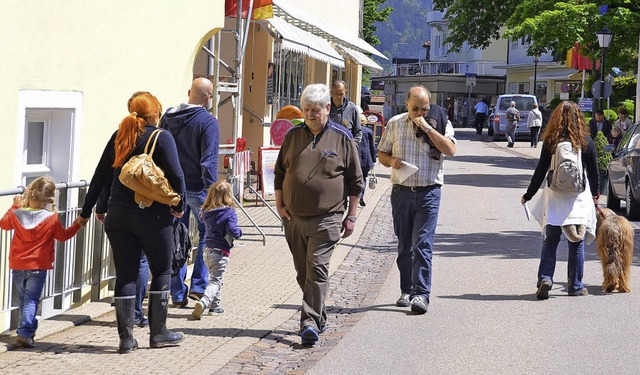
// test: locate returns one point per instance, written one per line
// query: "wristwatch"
(352, 218)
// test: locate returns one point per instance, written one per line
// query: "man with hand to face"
(317, 176)
(415, 201)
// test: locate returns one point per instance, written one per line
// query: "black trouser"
(365, 173)
(480, 117)
(132, 231)
(535, 132)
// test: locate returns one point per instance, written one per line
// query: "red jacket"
(32, 246)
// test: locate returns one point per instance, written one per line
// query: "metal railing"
(424, 67)
(82, 271)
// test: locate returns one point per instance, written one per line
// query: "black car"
(624, 174)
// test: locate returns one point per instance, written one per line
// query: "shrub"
(611, 114)
(630, 106)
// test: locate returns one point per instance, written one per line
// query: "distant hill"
(405, 31)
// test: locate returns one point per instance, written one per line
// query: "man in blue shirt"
(197, 137)
(482, 111)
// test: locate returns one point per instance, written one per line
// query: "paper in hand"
(403, 173)
(526, 211)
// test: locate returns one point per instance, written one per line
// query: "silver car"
(524, 104)
(624, 174)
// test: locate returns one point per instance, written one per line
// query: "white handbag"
(373, 181)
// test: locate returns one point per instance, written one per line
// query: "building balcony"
(435, 17)
(423, 67)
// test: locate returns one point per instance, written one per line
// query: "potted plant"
(604, 157)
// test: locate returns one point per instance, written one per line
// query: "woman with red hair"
(131, 228)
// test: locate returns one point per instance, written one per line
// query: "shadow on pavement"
(516, 181)
(496, 161)
(507, 245)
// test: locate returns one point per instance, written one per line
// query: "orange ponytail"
(145, 109)
(128, 131)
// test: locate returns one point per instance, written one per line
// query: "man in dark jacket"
(367, 153)
(343, 111)
(599, 123)
(197, 138)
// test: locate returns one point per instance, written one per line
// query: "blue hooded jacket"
(220, 223)
(197, 138)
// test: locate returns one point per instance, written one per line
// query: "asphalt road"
(484, 317)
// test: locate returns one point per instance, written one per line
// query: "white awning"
(557, 75)
(307, 22)
(360, 58)
(298, 40)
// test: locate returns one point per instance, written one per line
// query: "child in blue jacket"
(221, 221)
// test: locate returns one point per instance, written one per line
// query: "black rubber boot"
(160, 335)
(125, 319)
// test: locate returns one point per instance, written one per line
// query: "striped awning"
(298, 40)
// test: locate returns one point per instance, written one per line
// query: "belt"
(417, 188)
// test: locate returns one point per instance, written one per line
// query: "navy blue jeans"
(200, 275)
(141, 286)
(575, 266)
(29, 285)
(415, 215)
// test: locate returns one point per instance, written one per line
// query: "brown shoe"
(195, 296)
(180, 304)
(26, 342)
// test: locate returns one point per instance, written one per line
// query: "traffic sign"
(608, 88)
(586, 104)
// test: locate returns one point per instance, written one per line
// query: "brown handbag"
(146, 179)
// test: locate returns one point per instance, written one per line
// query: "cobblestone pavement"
(257, 332)
(354, 287)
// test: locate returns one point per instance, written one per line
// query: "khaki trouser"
(311, 242)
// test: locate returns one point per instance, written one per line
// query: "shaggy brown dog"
(614, 242)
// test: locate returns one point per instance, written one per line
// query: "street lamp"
(536, 58)
(604, 40)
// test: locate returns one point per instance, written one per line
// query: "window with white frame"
(47, 135)
(514, 43)
(36, 144)
(523, 88)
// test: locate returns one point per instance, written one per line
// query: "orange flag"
(262, 9)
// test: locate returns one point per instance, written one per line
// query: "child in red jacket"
(35, 225)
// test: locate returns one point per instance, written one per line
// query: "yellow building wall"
(104, 49)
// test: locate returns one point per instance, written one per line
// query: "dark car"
(624, 174)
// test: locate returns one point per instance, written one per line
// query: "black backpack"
(181, 248)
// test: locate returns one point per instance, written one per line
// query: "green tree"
(553, 25)
(370, 14)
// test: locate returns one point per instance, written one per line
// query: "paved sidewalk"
(261, 300)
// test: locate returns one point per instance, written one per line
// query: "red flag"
(577, 61)
(262, 9)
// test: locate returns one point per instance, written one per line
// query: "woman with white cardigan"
(558, 212)
(534, 122)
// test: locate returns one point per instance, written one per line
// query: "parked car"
(524, 104)
(623, 174)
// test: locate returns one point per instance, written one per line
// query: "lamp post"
(536, 58)
(604, 40)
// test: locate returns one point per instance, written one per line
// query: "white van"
(524, 104)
